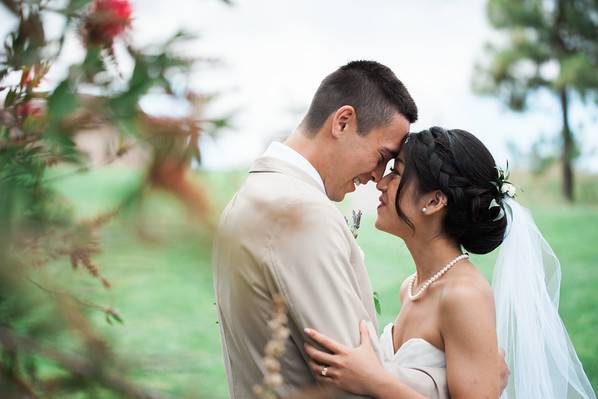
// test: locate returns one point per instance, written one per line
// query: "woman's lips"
(382, 202)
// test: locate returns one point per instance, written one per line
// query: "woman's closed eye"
(395, 171)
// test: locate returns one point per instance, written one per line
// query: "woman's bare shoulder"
(467, 290)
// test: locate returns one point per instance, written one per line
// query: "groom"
(281, 234)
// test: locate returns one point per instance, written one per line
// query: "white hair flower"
(505, 189)
(508, 189)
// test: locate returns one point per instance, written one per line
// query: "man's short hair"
(371, 88)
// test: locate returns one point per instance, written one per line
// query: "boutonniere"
(354, 227)
(377, 303)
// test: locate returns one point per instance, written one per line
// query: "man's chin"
(336, 197)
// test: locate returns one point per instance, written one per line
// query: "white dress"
(415, 353)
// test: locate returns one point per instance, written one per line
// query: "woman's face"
(388, 219)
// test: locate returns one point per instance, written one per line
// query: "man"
(280, 234)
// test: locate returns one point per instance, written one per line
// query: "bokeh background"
(254, 65)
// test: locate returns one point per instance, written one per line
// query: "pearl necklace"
(429, 281)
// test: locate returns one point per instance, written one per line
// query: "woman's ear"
(434, 202)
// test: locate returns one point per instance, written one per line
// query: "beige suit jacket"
(281, 234)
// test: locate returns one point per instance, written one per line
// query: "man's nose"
(382, 184)
(377, 173)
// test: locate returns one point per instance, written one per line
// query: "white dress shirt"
(287, 154)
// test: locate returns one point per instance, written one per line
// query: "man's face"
(365, 157)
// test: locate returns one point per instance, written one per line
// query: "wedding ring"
(324, 371)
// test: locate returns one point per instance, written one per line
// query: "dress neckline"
(410, 340)
(413, 353)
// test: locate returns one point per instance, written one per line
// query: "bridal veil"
(526, 285)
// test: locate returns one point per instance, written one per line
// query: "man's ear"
(434, 202)
(343, 120)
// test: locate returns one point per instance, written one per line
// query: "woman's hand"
(357, 370)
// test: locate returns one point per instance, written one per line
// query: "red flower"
(27, 109)
(106, 20)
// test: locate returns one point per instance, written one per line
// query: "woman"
(444, 195)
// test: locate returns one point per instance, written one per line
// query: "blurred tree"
(551, 45)
(38, 227)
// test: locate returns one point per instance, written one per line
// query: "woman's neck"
(431, 256)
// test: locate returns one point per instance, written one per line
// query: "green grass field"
(163, 288)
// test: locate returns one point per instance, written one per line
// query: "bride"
(445, 195)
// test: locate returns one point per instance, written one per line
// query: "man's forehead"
(391, 136)
(397, 130)
(393, 144)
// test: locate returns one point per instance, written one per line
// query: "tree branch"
(76, 364)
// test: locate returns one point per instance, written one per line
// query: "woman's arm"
(467, 325)
(355, 370)
(475, 366)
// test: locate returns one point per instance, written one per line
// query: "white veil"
(526, 285)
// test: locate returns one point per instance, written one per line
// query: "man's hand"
(504, 370)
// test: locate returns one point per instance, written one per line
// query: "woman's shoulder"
(465, 290)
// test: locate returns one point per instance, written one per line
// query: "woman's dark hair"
(458, 164)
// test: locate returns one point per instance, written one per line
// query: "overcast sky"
(275, 53)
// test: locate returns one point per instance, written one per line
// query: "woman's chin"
(379, 224)
(382, 225)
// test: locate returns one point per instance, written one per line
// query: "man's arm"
(310, 261)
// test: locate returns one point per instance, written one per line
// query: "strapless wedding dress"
(414, 353)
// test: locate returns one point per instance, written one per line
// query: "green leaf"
(63, 144)
(117, 317)
(62, 101)
(93, 62)
(75, 5)
(141, 77)
(493, 204)
(10, 98)
(111, 314)
(128, 126)
(377, 303)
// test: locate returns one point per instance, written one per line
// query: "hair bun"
(484, 233)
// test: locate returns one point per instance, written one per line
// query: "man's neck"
(307, 147)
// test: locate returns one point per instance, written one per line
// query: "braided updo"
(458, 164)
